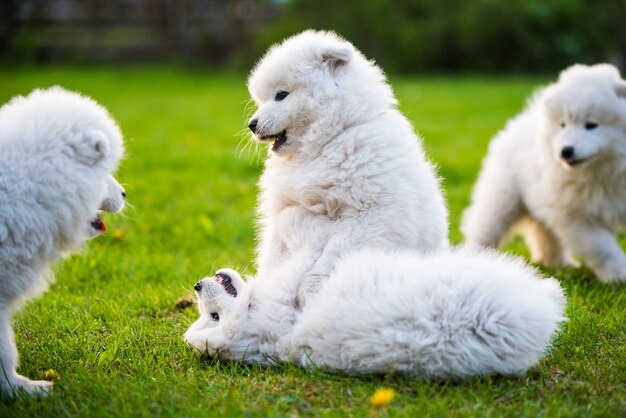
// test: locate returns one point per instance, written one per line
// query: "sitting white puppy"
(557, 172)
(57, 152)
(345, 169)
(451, 314)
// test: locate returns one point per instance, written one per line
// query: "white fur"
(563, 210)
(450, 314)
(347, 174)
(57, 150)
(444, 315)
(352, 173)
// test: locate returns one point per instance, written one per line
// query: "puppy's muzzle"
(113, 205)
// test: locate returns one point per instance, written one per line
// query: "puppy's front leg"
(10, 381)
(325, 264)
(204, 322)
(209, 340)
(599, 249)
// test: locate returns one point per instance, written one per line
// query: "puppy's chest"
(327, 199)
(327, 186)
(600, 201)
(298, 225)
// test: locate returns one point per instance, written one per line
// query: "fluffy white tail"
(452, 314)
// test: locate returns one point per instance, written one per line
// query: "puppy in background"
(557, 174)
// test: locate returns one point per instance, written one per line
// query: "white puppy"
(347, 174)
(57, 152)
(345, 171)
(451, 314)
(557, 172)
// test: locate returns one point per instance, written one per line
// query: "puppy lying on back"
(557, 174)
(447, 314)
(57, 152)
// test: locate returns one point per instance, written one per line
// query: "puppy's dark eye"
(281, 95)
(562, 124)
(215, 316)
(590, 126)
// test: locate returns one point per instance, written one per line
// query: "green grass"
(109, 325)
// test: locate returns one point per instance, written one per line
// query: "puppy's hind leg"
(545, 248)
(496, 205)
(11, 382)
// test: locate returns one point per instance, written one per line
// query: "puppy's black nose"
(198, 286)
(252, 125)
(567, 152)
(124, 194)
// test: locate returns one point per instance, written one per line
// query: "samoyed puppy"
(445, 315)
(557, 174)
(57, 152)
(345, 169)
(354, 270)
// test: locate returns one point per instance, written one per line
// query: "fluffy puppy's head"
(220, 296)
(70, 145)
(586, 116)
(311, 87)
(58, 120)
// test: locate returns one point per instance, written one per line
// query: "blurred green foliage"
(459, 35)
(408, 36)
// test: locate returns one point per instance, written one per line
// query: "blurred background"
(409, 36)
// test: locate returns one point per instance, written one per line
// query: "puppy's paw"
(559, 259)
(570, 261)
(309, 287)
(612, 274)
(30, 387)
(208, 341)
(613, 279)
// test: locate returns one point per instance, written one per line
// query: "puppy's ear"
(337, 55)
(92, 147)
(620, 90)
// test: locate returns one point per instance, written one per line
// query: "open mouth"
(278, 140)
(98, 224)
(226, 282)
(573, 161)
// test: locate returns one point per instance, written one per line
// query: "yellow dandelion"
(118, 233)
(50, 374)
(382, 397)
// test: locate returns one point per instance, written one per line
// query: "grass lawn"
(110, 325)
